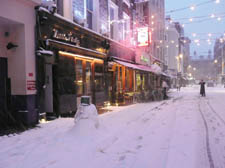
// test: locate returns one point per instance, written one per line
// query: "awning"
(130, 65)
(136, 66)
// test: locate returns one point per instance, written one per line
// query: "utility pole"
(222, 60)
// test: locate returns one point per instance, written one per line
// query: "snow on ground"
(187, 131)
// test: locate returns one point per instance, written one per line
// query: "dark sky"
(201, 29)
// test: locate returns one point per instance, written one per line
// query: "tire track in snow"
(209, 153)
(210, 106)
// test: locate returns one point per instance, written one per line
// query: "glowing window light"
(191, 20)
(219, 19)
(196, 41)
(192, 7)
(217, 1)
(212, 16)
(79, 56)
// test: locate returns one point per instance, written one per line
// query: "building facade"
(17, 62)
(61, 50)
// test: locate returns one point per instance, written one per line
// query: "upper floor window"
(89, 12)
(83, 12)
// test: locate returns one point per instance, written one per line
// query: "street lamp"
(222, 42)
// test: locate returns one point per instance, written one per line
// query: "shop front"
(131, 82)
(70, 63)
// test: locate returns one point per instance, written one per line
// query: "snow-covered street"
(186, 131)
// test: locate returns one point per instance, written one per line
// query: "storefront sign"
(67, 37)
(143, 37)
(31, 85)
(144, 59)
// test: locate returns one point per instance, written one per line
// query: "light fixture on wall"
(10, 46)
(6, 34)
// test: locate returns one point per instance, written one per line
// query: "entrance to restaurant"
(48, 89)
(4, 92)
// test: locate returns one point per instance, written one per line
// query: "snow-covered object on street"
(86, 116)
(42, 51)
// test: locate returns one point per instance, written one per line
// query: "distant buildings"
(177, 48)
(219, 57)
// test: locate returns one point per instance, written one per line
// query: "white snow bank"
(86, 118)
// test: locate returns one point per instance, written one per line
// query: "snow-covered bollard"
(87, 114)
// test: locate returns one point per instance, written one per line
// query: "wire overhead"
(192, 6)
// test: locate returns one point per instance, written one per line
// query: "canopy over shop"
(133, 82)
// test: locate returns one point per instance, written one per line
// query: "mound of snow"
(86, 118)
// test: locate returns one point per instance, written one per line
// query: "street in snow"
(186, 131)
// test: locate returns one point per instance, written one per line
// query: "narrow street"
(185, 131)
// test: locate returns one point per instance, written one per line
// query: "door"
(3, 88)
(48, 89)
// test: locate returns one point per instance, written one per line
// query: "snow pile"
(86, 117)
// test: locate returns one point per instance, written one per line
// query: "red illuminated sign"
(143, 37)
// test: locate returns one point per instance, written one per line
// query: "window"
(83, 10)
(126, 26)
(113, 12)
(79, 77)
(112, 17)
(88, 79)
(89, 7)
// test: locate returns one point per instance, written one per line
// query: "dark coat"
(202, 88)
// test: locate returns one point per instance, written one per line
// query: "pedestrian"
(178, 86)
(202, 88)
(165, 86)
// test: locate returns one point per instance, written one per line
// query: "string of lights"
(199, 17)
(192, 7)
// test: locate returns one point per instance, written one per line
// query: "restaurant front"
(71, 62)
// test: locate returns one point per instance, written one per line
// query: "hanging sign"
(143, 37)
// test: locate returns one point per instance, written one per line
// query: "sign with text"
(143, 37)
(31, 85)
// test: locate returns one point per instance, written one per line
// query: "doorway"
(4, 92)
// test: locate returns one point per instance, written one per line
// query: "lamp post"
(222, 46)
(222, 62)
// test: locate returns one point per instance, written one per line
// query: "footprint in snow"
(145, 120)
(139, 147)
(122, 158)
(140, 138)
(217, 140)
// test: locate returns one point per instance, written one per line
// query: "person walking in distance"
(202, 88)
(178, 85)
(165, 86)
